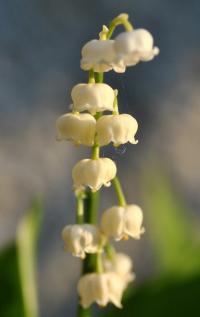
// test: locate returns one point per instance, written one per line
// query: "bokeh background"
(40, 44)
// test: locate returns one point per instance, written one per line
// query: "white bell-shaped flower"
(93, 173)
(120, 264)
(100, 56)
(78, 127)
(117, 128)
(92, 97)
(121, 222)
(100, 288)
(82, 239)
(134, 46)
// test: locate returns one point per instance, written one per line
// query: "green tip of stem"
(123, 16)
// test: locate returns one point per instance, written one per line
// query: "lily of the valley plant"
(106, 273)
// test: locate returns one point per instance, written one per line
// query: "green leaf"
(162, 298)
(27, 235)
(11, 303)
(18, 291)
(169, 226)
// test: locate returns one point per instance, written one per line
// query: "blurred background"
(40, 44)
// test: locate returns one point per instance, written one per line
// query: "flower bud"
(82, 239)
(117, 128)
(100, 56)
(93, 173)
(121, 264)
(79, 127)
(121, 222)
(100, 288)
(92, 97)
(134, 46)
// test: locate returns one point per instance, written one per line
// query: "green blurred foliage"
(170, 228)
(175, 290)
(162, 298)
(18, 291)
(11, 304)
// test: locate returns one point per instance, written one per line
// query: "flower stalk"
(105, 273)
(119, 192)
(91, 79)
(95, 152)
(99, 77)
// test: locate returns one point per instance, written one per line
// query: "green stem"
(99, 264)
(119, 192)
(99, 77)
(91, 204)
(98, 115)
(92, 262)
(95, 152)
(83, 312)
(122, 19)
(87, 213)
(96, 148)
(109, 250)
(91, 79)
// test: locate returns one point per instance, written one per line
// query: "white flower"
(93, 173)
(120, 264)
(121, 222)
(100, 56)
(117, 128)
(79, 127)
(100, 288)
(82, 239)
(92, 97)
(134, 46)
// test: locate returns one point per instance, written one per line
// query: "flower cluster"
(87, 124)
(127, 49)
